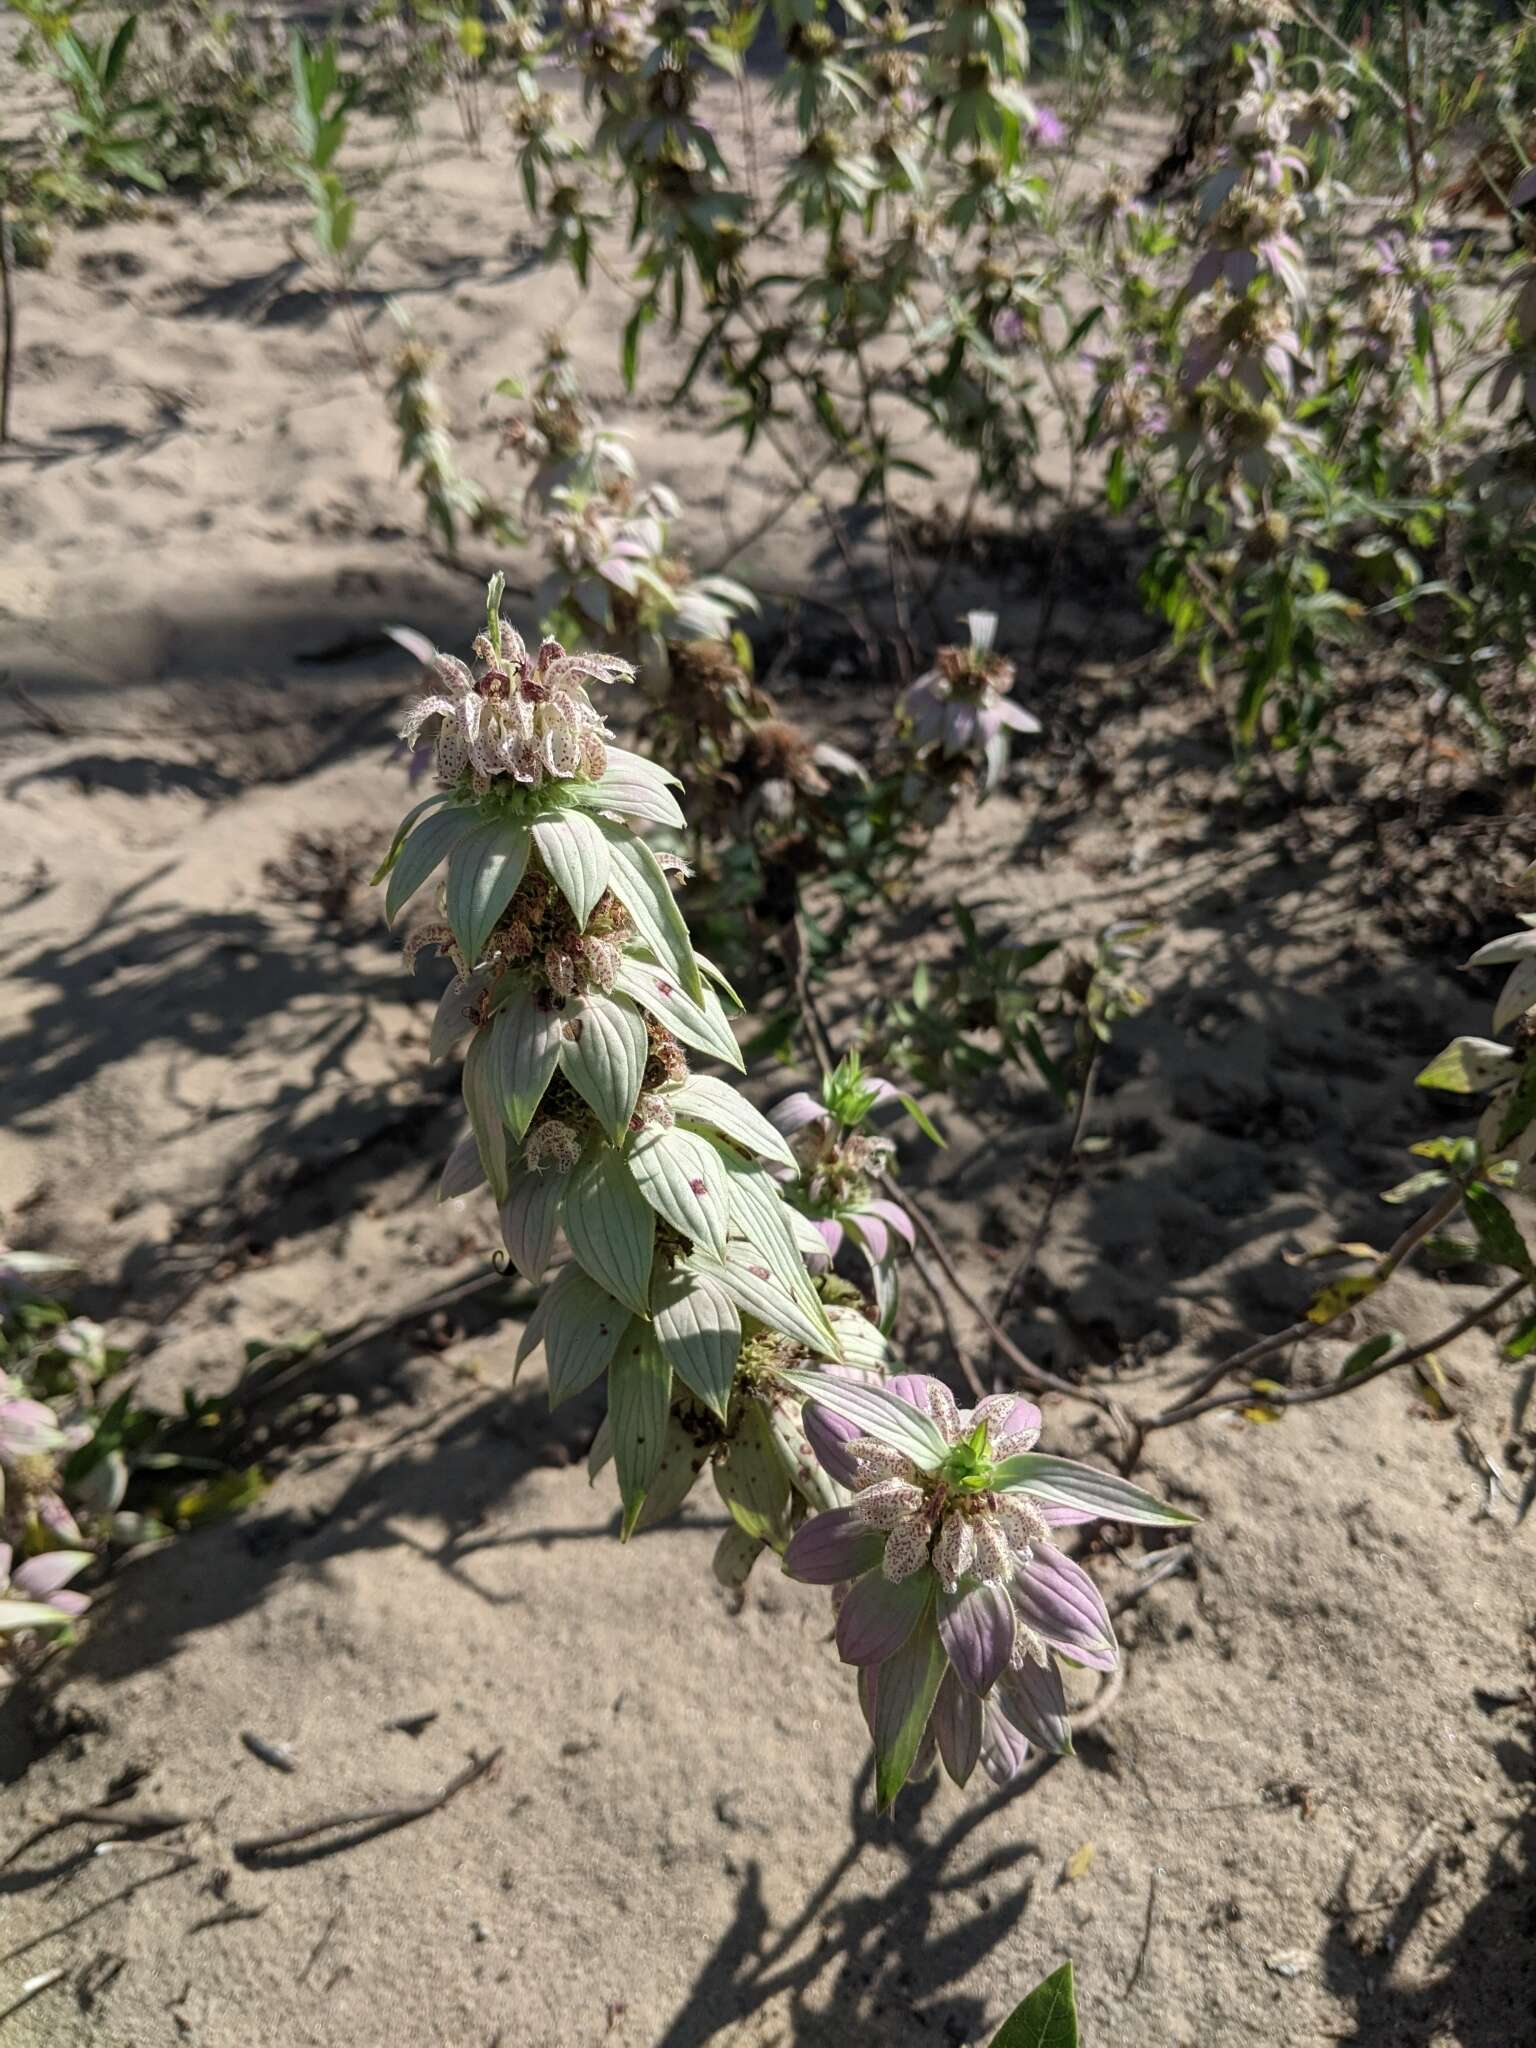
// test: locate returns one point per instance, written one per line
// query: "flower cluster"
(952, 1601)
(585, 1000)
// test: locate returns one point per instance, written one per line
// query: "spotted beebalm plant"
(952, 1602)
(585, 1006)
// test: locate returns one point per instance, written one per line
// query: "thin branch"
(89, 1913)
(1297, 1397)
(1298, 1332)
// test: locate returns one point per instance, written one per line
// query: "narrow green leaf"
(751, 1285)
(423, 852)
(705, 1099)
(684, 1179)
(702, 1027)
(751, 1480)
(482, 1098)
(612, 1228)
(579, 1326)
(527, 1040)
(636, 878)
(905, 1689)
(603, 1051)
(575, 853)
(483, 875)
(698, 1327)
(402, 830)
(639, 1395)
(1365, 1355)
(683, 1457)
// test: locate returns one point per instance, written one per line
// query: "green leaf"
(1467, 1066)
(604, 1060)
(684, 1179)
(702, 1027)
(483, 1099)
(1520, 1109)
(612, 1228)
(683, 1457)
(698, 1328)
(1046, 2019)
(1498, 1235)
(579, 1326)
(636, 878)
(639, 1395)
(528, 1040)
(750, 1478)
(920, 1117)
(417, 811)
(423, 852)
(1523, 1342)
(905, 1689)
(1370, 1353)
(483, 875)
(704, 1099)
(1342, 1294)
(575, 853)
(760, 1214)
(634, 788)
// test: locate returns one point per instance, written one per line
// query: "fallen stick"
(377, 1820)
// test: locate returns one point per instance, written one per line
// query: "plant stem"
(7, 320)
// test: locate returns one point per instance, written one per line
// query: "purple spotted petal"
(1034, 1702)
(1004, 1748)
(832, 1548)
(976, 1627)
(795, 1112)
(831, 1233)
(956, 1723)
(877, 1617)
(1058, 1600)
(876, 1238)
(828, 1434)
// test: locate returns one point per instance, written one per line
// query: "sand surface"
(1307, 1821)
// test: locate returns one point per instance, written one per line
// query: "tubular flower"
(953, 1603)
(961, 706)
(515, 714)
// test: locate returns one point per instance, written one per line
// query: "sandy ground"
(1309, 1818)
